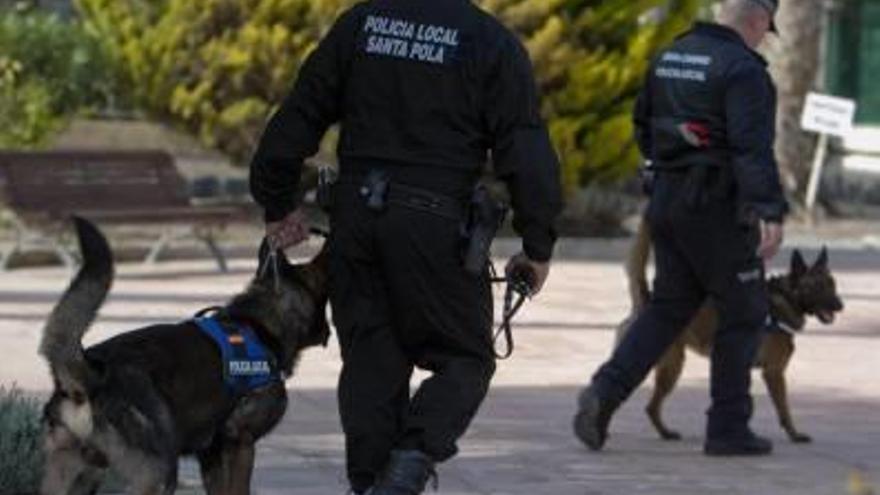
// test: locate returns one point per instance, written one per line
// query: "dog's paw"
(800, 437)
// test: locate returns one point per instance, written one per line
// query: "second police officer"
(706, 120)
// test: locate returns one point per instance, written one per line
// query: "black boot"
(407, 473)
(746, 444)
(592, 419)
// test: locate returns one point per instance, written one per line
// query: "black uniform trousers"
(401, 299)
(700, 250)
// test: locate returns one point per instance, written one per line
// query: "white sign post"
(828, 116)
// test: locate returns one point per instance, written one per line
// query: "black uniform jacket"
(435, 83)
(709, 101)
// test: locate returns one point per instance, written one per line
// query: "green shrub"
(71, 62)
(49, 70)
(26, 113)
(599, 210)
(219, 67)
(215, 67)
(21, 457)
(590, 58)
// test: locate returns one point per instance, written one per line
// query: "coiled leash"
(520, 284)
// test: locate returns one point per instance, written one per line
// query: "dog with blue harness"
(208, 387)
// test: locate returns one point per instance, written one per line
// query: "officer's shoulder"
(351, 16)
(741, 54)
(494, 33)
(746, 63)
(735, 59)
(736, 52)
(358, 8)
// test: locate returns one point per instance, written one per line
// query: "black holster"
(374, 190)
(484, 217)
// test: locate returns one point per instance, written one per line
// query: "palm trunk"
(795, 61)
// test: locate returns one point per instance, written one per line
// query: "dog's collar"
(786, 328)
(776, 325)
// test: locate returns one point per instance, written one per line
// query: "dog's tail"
(78, 307)
(637, 267)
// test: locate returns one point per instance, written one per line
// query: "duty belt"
(698, 189)
(420, 199)
(378, 191)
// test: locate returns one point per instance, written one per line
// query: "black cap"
(772, 6)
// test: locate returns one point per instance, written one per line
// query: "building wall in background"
(852, 69)
(853, 63)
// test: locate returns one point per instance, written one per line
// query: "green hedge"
(21, 457)
(219, 67)
(50, 69)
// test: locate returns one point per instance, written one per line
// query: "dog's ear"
(822, 260)
(798, 265)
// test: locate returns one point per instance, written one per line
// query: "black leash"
(517, 284)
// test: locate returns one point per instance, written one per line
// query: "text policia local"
(410, 40)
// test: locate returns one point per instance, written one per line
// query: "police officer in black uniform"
(425, 91)
(706, 120)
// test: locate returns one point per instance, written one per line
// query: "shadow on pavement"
(521, 444)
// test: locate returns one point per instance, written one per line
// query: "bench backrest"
(57, 182)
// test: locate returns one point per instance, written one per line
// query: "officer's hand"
(290, 231)
(537, 271)
(771, 239)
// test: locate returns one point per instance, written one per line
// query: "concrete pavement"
(521, 442)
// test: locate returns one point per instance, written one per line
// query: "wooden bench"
(43, 189)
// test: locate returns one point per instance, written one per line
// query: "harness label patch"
(397, 38)
(247, 363)
(249, 368)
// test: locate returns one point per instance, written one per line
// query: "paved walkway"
(520, 443)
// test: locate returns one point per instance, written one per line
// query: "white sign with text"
(828, 114)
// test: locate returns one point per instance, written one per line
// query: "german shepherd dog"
(803, 291)
(137, 402)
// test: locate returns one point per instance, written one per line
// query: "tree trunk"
(795, 62)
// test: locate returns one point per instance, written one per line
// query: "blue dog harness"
(247, 363)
